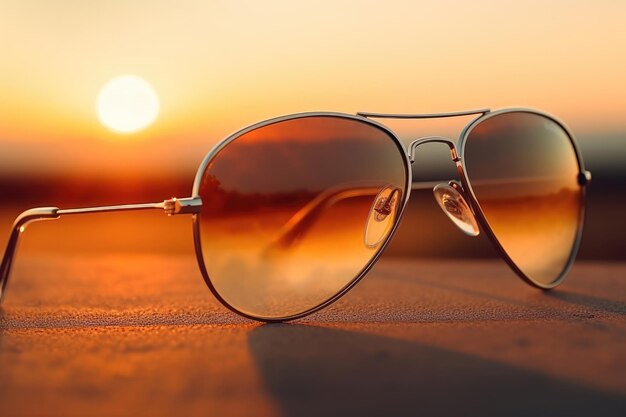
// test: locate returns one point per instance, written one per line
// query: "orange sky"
(220, 65)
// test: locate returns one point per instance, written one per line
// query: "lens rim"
(225, 142)
(478, 211)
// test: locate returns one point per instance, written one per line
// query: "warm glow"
(218, 66)
(127, 104)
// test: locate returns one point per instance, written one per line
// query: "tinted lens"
(523, 170)
(293, 211)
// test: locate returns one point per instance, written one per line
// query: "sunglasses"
(290, 213)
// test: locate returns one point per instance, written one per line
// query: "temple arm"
(170, 207)
(298, 225)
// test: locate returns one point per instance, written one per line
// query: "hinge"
(584, 177)
(189, 205)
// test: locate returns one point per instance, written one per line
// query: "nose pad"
(382, 216)
(456, 208)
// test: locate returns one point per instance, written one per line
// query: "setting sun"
(127, 104)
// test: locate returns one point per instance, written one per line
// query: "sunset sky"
(217, 66)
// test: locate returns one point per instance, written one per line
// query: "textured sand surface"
(128, 335)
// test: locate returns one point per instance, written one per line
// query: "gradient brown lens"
(286, 208)
(523, 170)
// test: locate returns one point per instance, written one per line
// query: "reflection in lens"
(523, 171)
(285, 208)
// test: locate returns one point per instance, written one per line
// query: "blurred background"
(217, 66)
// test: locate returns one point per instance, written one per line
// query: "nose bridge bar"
(422, 115)
(432, 139)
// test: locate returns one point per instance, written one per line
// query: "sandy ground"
(128, 335)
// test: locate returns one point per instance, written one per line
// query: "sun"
(127, 104)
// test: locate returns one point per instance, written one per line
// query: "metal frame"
(583, 179)
(193, 204)
(215, 151)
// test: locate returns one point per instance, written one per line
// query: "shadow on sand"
(316, 371)
(590, 302)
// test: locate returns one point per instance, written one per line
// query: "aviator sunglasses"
(290, 213)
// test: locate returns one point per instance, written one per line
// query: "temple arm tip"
(39, 213)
